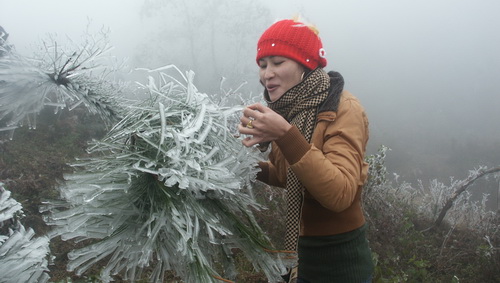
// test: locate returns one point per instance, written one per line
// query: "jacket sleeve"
(331, 175)
(273, 172)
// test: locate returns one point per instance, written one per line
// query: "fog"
(426, 71)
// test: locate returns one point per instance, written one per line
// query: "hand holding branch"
(261, 124)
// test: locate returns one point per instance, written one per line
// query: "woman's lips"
(271, 88)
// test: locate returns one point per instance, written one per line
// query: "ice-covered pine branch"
(169, 188)
(58, 77)
(23, 257)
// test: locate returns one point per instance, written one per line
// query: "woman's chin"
(274, 94)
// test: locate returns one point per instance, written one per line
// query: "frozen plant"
(9, 207)
(168, 188)
(380, 196)
(58, 77)
(23, 257)
(377, 171)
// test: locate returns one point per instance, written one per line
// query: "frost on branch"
(168, 188)
(22, 256)
(58, 77)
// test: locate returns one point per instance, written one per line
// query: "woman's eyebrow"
(270, 57)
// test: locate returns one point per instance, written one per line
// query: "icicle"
(201, 138)
(196, 123)
(73, 106)
(163, 123)
(8, 128)
(212, 152)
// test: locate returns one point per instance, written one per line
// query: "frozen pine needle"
(168, 188)
(23, 257)
(58, 77)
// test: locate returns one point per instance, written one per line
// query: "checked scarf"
(300, 105)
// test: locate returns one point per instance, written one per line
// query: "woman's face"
(279, 74)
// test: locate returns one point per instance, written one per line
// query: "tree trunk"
(461, 188)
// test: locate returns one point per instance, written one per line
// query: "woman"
(318, 133)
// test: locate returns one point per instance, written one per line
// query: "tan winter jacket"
(332, 169)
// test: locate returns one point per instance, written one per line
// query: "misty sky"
(426, 71)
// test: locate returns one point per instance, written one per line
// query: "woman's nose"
(269, 73)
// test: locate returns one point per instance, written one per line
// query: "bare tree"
(460, 188)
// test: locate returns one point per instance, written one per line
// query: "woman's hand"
(261, 124)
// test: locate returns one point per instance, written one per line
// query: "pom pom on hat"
(295, 40)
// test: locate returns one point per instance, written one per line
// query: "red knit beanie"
(294, 40)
